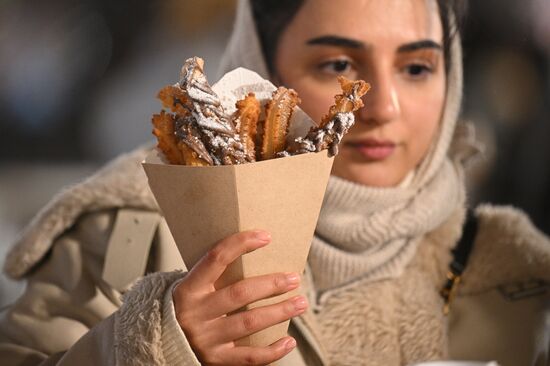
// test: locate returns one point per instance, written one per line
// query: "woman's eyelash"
(341, 65)
(418, 69)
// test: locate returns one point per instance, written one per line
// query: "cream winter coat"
(69, 314)
(81, 255)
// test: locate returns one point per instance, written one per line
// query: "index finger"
(211, 266)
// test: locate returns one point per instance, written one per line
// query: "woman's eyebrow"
(338, 41)
(415, 46)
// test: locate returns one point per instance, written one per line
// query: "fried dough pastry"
(217, 132)
(164, 130)
(175, 99)
(191, 158)
(246, 122)
(278, 113)
(191, 146)
(335, 124)
(350, 99)
(197, 131)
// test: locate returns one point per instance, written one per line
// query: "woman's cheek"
(424, 116)
(316, 101)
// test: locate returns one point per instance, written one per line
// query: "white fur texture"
(138, 323)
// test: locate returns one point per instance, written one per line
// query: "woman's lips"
(373, 150)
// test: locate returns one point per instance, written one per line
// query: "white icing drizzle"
(217, 132)
(327, 137)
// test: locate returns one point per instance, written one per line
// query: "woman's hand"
(201, 309)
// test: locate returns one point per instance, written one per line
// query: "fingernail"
(300, 303)
(262, 236)
(292, 278)
(290, 344)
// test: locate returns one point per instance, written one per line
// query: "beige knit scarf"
(372, 233)
(365, 231)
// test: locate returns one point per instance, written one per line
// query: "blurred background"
(78, 80)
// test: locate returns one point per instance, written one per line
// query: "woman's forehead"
(399, 20)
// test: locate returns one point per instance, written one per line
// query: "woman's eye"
(418, 70)
(336, 67)
(340, 66)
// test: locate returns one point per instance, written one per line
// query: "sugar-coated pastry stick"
(175, 99)
(200, 133)
(278, 113)
(335, 124)
(190, 143)
(246, 122)
(217, 132)
(190, 156)
(350, 99)
(164, 130)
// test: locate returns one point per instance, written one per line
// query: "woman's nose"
(381, 103)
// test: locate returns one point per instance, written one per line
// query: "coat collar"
(508, 249)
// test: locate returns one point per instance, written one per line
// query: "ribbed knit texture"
(371, 233)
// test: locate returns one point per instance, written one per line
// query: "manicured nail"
(290, 344)
(292, 278)
(262, 236)
(300, 303)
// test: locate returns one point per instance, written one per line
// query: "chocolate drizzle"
(201, 133)
(188, 133)
(218, 134)
(321, 138)
(335, 124)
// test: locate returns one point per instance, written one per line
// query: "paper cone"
(203, 205)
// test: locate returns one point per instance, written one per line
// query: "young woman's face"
(395, 45)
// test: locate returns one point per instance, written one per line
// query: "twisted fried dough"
(246, 122)
(164, 130)
(190, 143)
(217, 132)
(175, 99)
(199, 132)
(349, 100)
(335, 124)
(190, 156)
(278, 113)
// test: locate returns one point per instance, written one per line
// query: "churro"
(175, 99)
(335, 124)
(278, 113)
(190, 143)
(349, 101)
(163, 129)
(197, 131)
(246, 122)
(217, 132)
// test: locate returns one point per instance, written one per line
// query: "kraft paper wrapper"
(203, 205)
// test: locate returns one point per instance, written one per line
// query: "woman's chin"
(371, 174)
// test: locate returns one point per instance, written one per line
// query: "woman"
(393, 211)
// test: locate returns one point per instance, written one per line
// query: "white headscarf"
(368, 232)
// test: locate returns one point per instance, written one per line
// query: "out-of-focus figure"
(507, 95)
